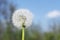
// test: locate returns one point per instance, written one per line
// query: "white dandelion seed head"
(20, 16)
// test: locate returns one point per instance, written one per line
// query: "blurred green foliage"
(32, 34)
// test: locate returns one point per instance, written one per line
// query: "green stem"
(22, 33)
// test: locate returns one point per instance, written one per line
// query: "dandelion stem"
(22, 33)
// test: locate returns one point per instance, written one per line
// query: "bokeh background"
(45, 25)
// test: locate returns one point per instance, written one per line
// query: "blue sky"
(41, 10)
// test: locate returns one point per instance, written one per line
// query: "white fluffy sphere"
(20, 16)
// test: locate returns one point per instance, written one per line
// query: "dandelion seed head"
(20, 16)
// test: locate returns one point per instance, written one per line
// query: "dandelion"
(21, 15)
(21, 19)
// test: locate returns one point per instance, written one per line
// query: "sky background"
(44, 11)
